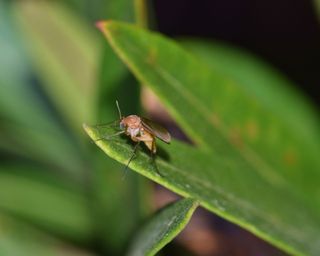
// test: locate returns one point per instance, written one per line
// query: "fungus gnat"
(141, 129)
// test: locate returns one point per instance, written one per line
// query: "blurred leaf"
(34, 131)
(28, 142)
(58, 208)
(163, 227)
(120, 10)
(262, 186)
(141, 13)
(261, 81)
(64, 52)
(26, 120)
(97, 9)
(22, 240)
(112, 194)
(317, 7)
(114, 75)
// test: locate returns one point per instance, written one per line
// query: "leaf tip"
(102, 25)
(85, 126)
(87, 129)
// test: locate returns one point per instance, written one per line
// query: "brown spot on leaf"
(101, 24)
(215, 119)
(152, 56)
(252, 129)
(235, 138)
(290, 157)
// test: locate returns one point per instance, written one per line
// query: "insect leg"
(153, 160)
(151, 144)
(110, 136)
(153, 157)
(132, 156)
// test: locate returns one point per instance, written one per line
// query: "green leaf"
(188, 172)
(114, 79)
(50, 205)
(267, 85)
(162, 228)
(97, 9)
(251, 165)
(64, 51)
(19, 239)
(111, 194)
(316, 4)
(65, 66)
(141, 13)
(288, 113)
(26, 121)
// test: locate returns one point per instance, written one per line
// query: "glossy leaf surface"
(162, 228)
(253, 166)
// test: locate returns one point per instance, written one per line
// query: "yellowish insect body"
(141, 129)
(133, 127)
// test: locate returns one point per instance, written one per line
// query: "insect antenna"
(119, 111)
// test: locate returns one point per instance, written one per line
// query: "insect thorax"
(132, 125)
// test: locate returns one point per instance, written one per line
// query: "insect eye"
(122, 126)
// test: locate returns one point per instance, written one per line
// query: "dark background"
(285, 33)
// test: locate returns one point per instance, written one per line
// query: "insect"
(141, 129)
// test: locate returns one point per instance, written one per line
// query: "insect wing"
(156, 130)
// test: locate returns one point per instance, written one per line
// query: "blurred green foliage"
(56, 74)
(162, 228)
(60, 195)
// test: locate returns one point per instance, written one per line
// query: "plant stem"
(141, 12)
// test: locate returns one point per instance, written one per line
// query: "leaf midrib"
(231, 197)
(256, 161)
(265, 170)
(281, 227)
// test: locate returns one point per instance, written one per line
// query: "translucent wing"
(156, 130)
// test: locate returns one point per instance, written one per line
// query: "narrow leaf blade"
(64, 51)
(194, 173)
(163, 227)
(40, 201)
(257, 185)
(20, 239)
